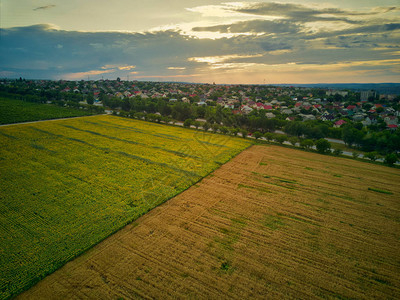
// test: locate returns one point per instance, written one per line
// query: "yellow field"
(67, 184)
(272, 223)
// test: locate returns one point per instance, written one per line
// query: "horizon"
(255, 43)
(200, 83)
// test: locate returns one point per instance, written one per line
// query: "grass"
(68, 184)
(17, 111)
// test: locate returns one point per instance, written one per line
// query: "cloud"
(126, 68)
(254, 26)
(303, 13)
(221, 59)
(44, 7)
(176, 68)
(80, 75)
(36, 52)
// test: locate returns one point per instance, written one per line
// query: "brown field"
(271, 223)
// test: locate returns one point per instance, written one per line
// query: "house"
(339, 123)
(358, 117)
(270, 115)
(392, 127)
(390, 120)
(259, 106)
(377, 106)
(119, 95)
(369, 121)
(287, 111)
(307, 117)
(173, 100)
(246, 109)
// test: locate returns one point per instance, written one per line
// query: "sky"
(205, 41)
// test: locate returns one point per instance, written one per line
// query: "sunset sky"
(252, 42)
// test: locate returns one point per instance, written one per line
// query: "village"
(285, 102)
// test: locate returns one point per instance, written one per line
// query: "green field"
(68, 184)
(17, 111)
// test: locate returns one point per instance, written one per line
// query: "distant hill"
(382, 88)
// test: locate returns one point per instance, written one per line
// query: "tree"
(351, 135)
(187, 123)
(390, 159)
(257, 135)
(269, 136)
(306, 144)
(223, 129)
(371, 155)
(166, 119)
(337, 151)
(196, 124)
(281, 138)
(323, 146)
(244, 133)
(215, 127)
(90, 99)
(293, 140)
(234, 131)
(206, 126)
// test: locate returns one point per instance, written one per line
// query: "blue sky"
(202, 41)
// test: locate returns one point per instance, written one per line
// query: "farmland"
(271, 223)
(68, 184)
(17, 111)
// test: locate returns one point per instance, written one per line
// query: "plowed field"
(271, 223)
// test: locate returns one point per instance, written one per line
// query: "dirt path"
(271, 223)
